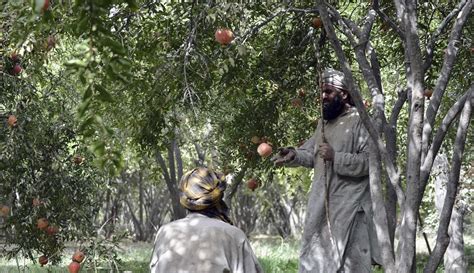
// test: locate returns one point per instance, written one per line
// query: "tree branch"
(387, 19)
(200, 153)
(453, 112)
(442, 26)
(179, 161)
(164, 168)
(171, 161)
(254, 30)
(445, 74)
(178, 211)
(237, 180)
(442, 239)
(355, 92)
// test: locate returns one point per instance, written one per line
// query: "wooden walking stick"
(327, 182)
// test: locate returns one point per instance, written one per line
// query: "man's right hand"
(283, 156)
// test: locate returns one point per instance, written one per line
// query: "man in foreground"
(205, 241)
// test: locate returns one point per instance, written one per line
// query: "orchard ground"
(275, 254)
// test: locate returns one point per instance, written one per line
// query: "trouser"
(357, 256)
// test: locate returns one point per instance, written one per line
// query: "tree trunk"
(140, 196)
(454, 258)
(406, 11)
(380, 217)
(442, 239)
(136, 223)
(234, 186)
(178, 211)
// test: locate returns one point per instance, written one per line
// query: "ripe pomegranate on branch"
(224, 36)
(252, 184)
(264, 149)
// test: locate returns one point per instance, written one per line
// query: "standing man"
(343, 240)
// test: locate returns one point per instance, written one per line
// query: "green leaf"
(124, 62)
(86, 123)
(88, 132)
(76, 63)
(109, 131)
(103, 95)
(98, 147)
(133, 5)
(88, 93)
(113, 71)
(83, 107)
(83, 25)
(114, 45)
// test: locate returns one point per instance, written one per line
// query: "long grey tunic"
(349, 196)
(199, 244)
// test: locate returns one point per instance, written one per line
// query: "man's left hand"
(326, 152)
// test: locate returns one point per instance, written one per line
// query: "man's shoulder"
(351, 114)
(199, 221)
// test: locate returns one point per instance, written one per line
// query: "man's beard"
(333, 109)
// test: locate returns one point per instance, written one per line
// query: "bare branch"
(442, 239)
(254, 30)
(387, 20)
(441, 28)
(402, 97)
(164, 168)
(453, 112)
(237, 180)
(179, 160)
(200, 153)
(445, 73)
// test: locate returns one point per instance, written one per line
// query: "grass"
(275, 254)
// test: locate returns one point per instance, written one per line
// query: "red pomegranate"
(78, 256)
(42, 223)
(16, 69)
(224, 36)
(43, 260)
(74, 267)
(264, 149)
(297, 102)
(428, 93)
(52, 230)
(252, 184)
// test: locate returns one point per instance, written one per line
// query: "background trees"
(143, 92)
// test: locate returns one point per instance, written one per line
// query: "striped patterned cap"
(201, 189)
(334, 78)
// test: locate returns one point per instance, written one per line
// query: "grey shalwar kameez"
(349, 200)
(200, 244)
